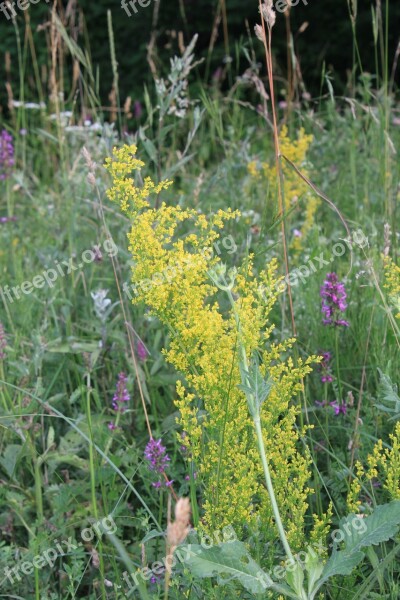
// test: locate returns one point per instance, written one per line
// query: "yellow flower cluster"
(295, 188)
(172, 250)
(128, 195)
(392, 283)
(383, 464)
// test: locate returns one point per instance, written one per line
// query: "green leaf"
(387, 394)
(295, 579)
(340, 563)
(72, 346)
(148, 145)
(358, 533)
(256, 385)
(229, 562)
(151, 535)
(11, 456)
(50, 437)
(379, 527)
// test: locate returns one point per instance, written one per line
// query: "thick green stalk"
(270, 488)
(255, 413)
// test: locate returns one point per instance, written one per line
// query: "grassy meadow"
(199, 325)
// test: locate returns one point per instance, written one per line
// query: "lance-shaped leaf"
(230, 562)
(358, 533)
(387, 393)
(254, 383)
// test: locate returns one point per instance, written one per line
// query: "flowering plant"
(180, 283)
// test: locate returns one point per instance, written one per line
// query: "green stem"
(341, 399)
(111, 439)
(270, 488)
(255, 413)
(38, 488)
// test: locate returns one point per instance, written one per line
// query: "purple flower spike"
(333, 296)
(6, 154)
(3, 342)
(325, 368)
(141, 351)
(156, 455)
(121, 396)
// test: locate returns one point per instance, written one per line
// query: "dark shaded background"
(327, 39)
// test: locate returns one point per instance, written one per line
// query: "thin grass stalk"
(114, 65)
(389, 207)
(129, 330)
(268, 57)
(290, 72)
(226, 40)
(360, 395)
(93, 480)
(51, 410)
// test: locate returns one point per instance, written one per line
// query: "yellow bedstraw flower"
(392, 283)
(294, 188)
(171, 249)
(383, 464)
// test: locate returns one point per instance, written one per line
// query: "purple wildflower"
(320, 404)
(3, 342)
(7, 219)
(157, 577)
(121, 395)
(141, 351)
(333, 296)
(156, 454)
(6, 154)
(112, 426)
(325, 368)
(339, 407)
(160, 484)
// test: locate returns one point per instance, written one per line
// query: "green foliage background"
(328, 38)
